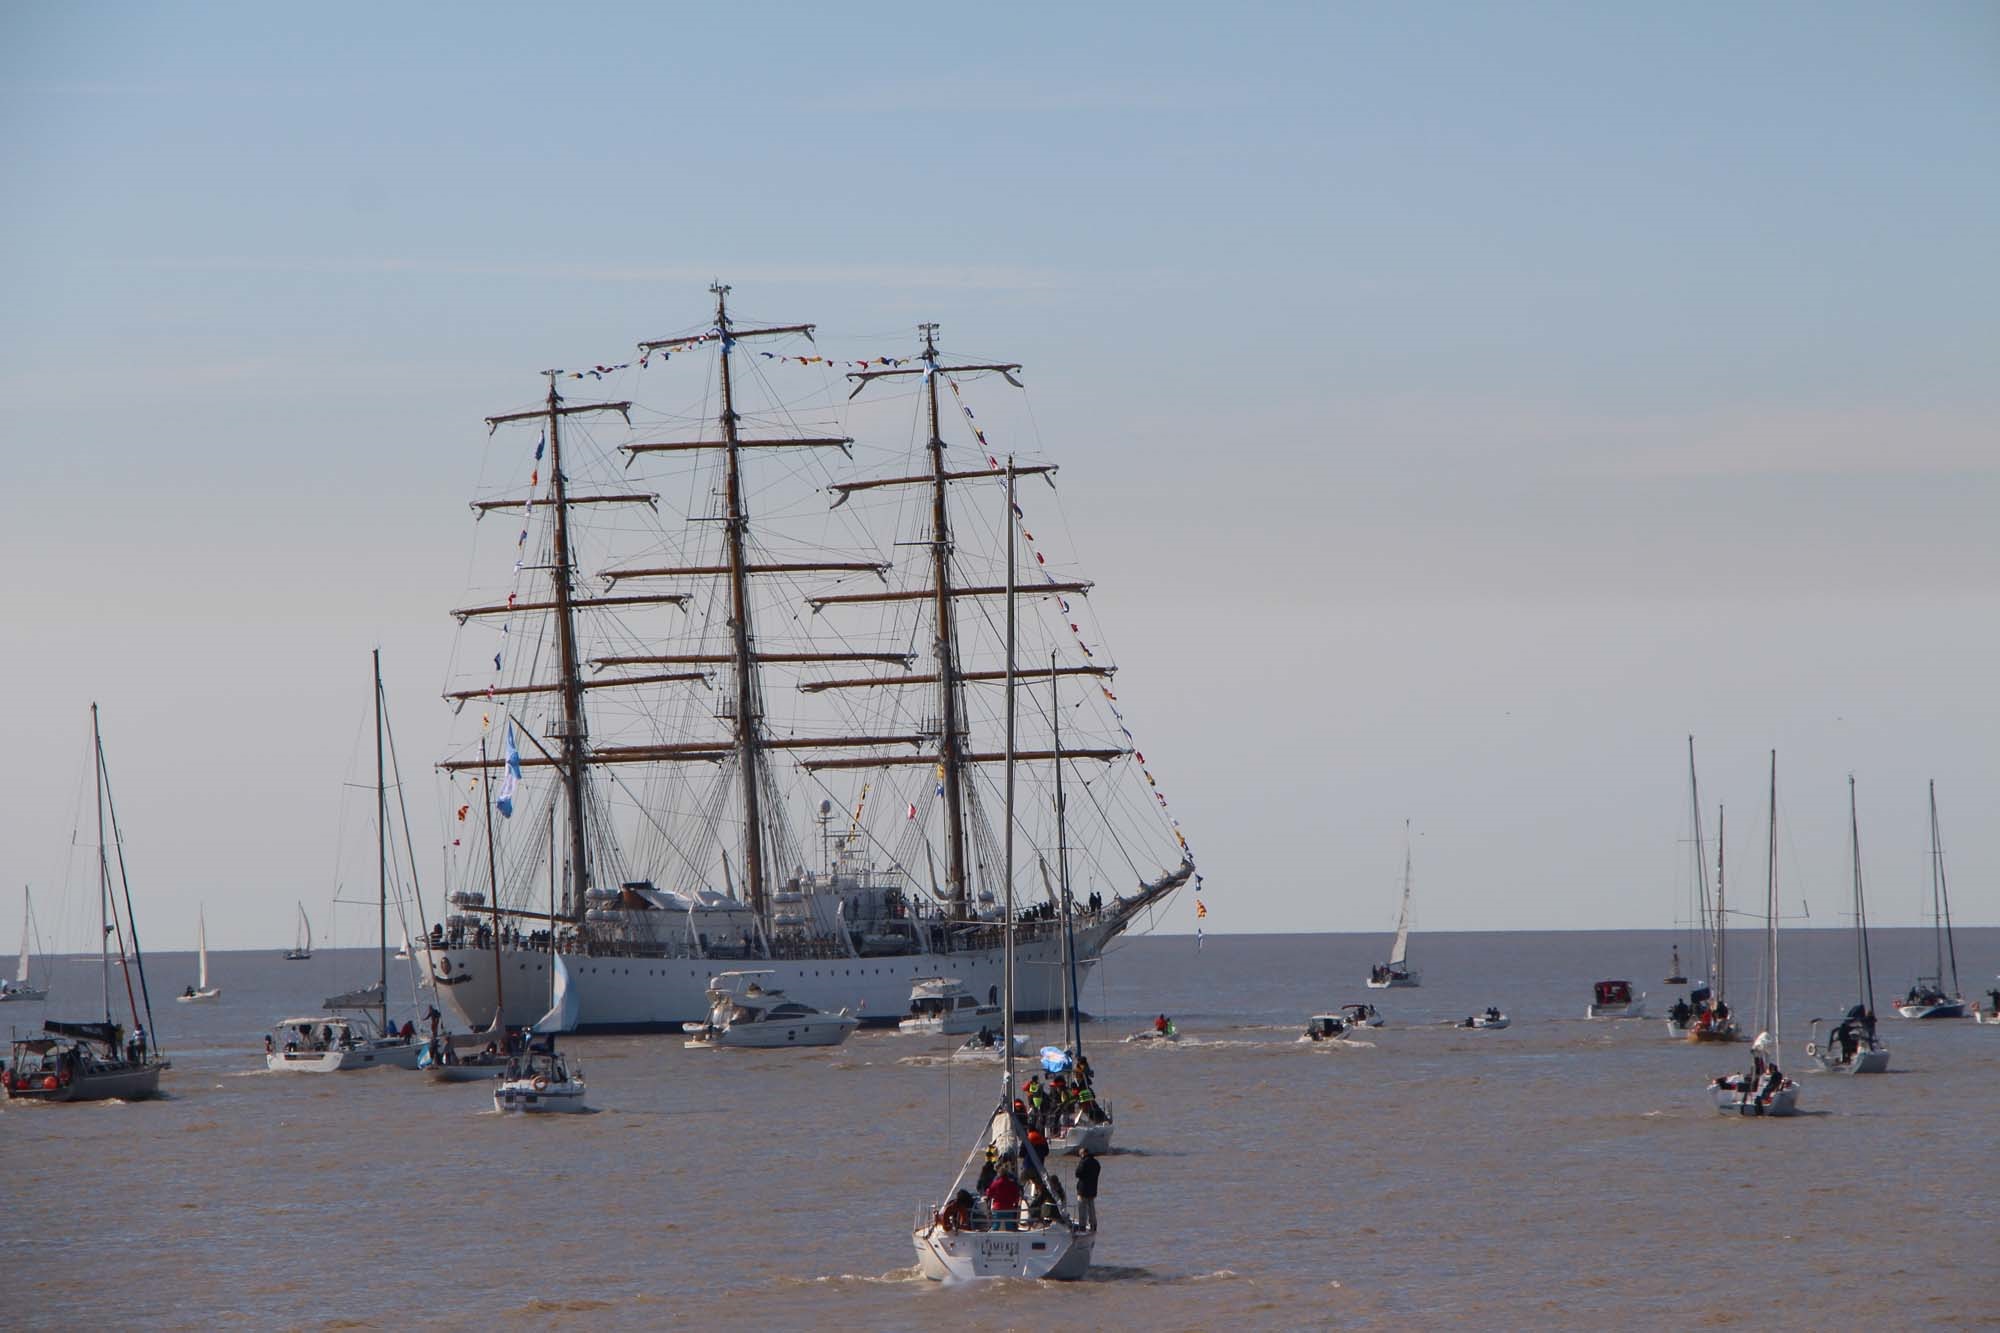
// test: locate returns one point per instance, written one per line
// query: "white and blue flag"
(512, 777)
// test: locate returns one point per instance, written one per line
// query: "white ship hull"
(618, 994)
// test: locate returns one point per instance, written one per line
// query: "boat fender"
(541, 1083)
(49, 1082)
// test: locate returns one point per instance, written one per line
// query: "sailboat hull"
(1731, 1101)
(1053, 1252)
(399, 1055)
(201, 996)
(1954, 1009)
(129, 1084)
(663, 994)
(1401, 981)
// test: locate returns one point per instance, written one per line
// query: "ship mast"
(950, 733)
(564, 602)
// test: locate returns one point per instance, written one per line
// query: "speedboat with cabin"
(743, 1013)
(1614, 999)
(944, 1005)
(335, 1043)
(1361, 1015)
(1326, 1027)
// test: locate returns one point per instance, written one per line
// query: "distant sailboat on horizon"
(201, 990)
(1397, 971)
(301, 951)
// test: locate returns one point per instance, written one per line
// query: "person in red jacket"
(1003, 1196)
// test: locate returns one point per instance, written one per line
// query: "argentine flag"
(513, 776)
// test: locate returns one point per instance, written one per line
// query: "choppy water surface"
(1560, 1172)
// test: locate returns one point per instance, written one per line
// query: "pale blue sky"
(1477, 399)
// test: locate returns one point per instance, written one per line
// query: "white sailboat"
(334, 1042)
(1020, 1227)
(302, 950)
(201, 991)
(1853, 1047)
(1928, 998)
(1765, 1090)
(1397, 972)
(545, 1082)
(20, 988)
(402, 954)
(1705, 1016)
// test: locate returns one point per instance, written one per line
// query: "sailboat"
(302, 950)
(1928, 998)
(349, 1036)
(1705, 1016)
(19, 988)
(97, 1060)
(1765, 1090)
(1019, 1226)
(1396, 972)
(402, 954)
(1853, 1047)
(1076, 1118)
(201, 991)
(544, 1081)
(731, 663)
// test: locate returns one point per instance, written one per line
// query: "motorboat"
(544, 1083)
(336, 1044)
(1492, 1018)
(1326, 1027)
(1361, 1015)
(1853, 1046)
(1163, 1029)
(19, 988)
(743, 1013)
(1990, 1011)
(985, 1046)
(1766, 1090)
(201, 992)
(1614, 999)
(944, 1005)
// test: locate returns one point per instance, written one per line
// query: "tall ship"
(734, 684)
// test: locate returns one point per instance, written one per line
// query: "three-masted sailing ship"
(719, 617)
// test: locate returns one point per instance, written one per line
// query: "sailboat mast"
(572, 688)
(1863, 973)
(1721, 904)
(1072, 1020)
(1771, 904)
(1701, 871)
(125, 883)
(950, 753)
(381, 849)
(103, 868)
(1941, 903)
(748, 723)
(1007, 1012)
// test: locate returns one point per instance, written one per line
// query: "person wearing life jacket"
(1160, 1025)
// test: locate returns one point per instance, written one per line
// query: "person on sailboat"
(1087, 1168)
(991, 1169)
(1003, 1196)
